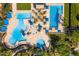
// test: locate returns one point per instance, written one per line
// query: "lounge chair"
(23, 33)
(46, 7)
(46, 31)
(31, 23)
(47, 19)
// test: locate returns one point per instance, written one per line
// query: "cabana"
(6, 22)
(3, 29)
(9, 15)
(40, 43)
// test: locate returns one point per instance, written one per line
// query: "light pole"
(69, 15)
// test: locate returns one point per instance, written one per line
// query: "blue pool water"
(17, 35)
(23, 15)
(54, 12)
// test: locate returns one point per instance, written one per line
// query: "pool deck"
(60, 26)
(12, 23)
(56, 4)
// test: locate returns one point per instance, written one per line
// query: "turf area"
(74, 12)
(23, 6)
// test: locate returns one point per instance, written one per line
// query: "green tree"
(53, 42)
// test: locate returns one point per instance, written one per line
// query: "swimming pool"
(16, 35)
(54, 12)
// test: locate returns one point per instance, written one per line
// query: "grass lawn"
(66, 14)
(23, 6)
(74, 12)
